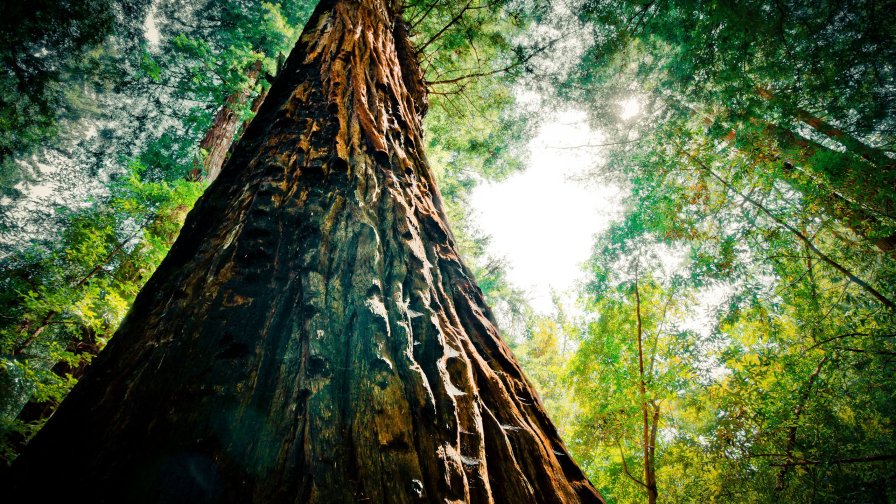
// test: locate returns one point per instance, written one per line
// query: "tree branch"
(625, 465)
(824, 257)
(791, 435)
(850, 460)
(445, 28)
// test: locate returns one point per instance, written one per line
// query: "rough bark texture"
(219, 137)
(313, 335)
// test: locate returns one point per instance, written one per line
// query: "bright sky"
(150, 30)
(543, 220)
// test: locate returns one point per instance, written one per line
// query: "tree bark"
(648, 432)
(313, 335)
(219, 137)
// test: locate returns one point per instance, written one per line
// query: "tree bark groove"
(313, 335)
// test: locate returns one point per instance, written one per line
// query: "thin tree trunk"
(852, 277)
(648, 434)
(652, 489)
(851, 212)
(873, 155)
(37, 411)
(849, 194)
(312, 336)
(52, 314)
(781, 480)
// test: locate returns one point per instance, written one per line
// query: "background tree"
(64, 296)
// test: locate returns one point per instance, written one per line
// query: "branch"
(824, 257)
(486, 74)
(855, 145)
(659, 329)
(583, 146)
(507, 68)
(851, 460)
(416, 22)
(625, 466)
(445, 28)
(846, 335)
(791, 435)
(859, 350)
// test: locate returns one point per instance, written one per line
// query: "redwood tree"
(313, 335)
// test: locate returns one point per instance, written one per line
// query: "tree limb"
(824, 257)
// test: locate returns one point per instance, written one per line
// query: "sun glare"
(543, 219)
(630, 108)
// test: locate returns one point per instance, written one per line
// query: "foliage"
(760, 168)
(61, 303)
(736, 333)
(64, 296)
(56, 56)
(780, 389)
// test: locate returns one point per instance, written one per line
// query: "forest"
(240, 259)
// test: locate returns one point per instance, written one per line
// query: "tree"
(313, 334)
(58, 313)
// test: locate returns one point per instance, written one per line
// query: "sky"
(151, 30)
(543, 220)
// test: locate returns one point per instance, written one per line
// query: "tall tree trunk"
(215, 145)
(312, 336)
(648, 432)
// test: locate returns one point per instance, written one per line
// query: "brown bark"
(219, 137)
(313, 335)
(648, 432)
